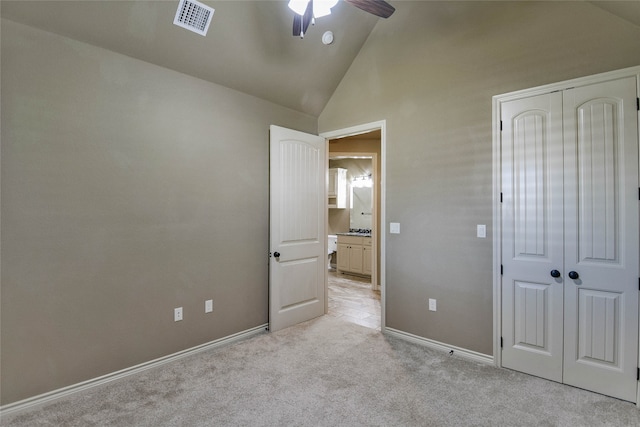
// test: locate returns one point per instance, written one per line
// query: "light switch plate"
(432, 304)
(394, 228)
(481, 231)
(208, 306)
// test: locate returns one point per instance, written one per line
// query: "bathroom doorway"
(354, 290)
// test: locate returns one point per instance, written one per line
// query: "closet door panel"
(532, 215)
(601, 237)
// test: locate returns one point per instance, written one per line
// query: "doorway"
(356, 293)
(352, 291)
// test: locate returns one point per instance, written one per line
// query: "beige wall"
(127, 190)
(430, 71)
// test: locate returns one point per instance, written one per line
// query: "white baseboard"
(458, 351)
(50, 397)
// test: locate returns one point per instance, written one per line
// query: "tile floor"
(351, 299)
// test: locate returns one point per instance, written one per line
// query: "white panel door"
(570, 244)
(297, 266)
(601, 237)
(532, 215)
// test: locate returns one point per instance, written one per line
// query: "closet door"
(601, 238)
(532, 230)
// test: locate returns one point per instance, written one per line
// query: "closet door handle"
(555, 273)
(276, 254)
(574, 275)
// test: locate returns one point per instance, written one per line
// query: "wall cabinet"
(354, 255)
(337, 191)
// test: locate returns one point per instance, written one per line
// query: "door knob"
(276, 254)
(555, 273)
(573, 275)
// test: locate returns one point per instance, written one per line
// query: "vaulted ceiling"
(249, 46)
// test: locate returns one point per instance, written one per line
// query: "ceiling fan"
(308, 10)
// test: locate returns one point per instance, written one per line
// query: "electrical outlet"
(177, 314)
(208, 306)
(481, 231)
(432, 304)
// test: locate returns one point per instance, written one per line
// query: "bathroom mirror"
(361, 208)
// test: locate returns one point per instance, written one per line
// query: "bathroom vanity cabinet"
(354, 254)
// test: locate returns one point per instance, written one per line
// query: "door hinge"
(501, 196)
(638, 375)
(500, 125)
(501, 342)
(501, 269)
(638, 103)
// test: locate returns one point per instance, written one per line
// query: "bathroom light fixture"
(362, 178)
(362, 181)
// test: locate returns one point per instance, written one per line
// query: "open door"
(297, 262)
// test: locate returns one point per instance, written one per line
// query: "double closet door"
(570, 244)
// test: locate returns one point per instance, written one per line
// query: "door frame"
(497, 101)
(380, 125)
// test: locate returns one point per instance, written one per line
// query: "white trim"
(436, 345)
(49, 397)
(356, 130)
(497, 231)
(568, 84)
(638, 97)
(497, 101)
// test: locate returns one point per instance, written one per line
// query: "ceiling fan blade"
(301, 23)
(377, 7)
(297, 25)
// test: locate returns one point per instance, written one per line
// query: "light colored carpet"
(328, 372)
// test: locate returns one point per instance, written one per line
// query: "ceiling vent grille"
(194, 16)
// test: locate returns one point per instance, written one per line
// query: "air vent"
(194, 16)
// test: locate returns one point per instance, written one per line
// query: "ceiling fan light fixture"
(330, 3)
(320, 7)
(298, 6)
(319, 11)
(323, 7)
